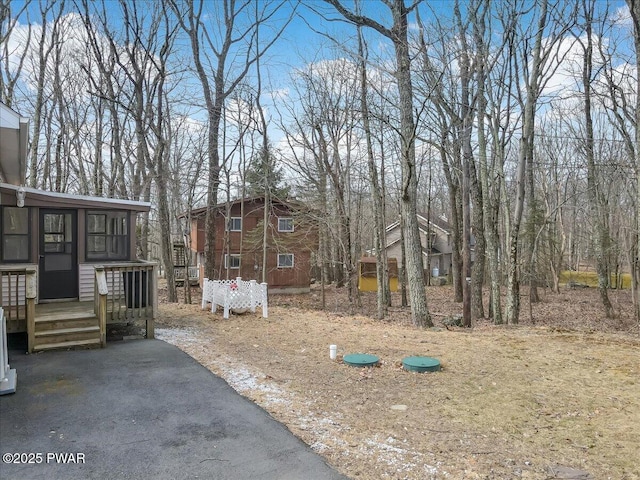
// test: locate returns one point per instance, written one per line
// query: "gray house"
(436, 240)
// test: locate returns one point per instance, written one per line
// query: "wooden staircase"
(58, 327)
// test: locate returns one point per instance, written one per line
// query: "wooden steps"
(67, 345)
(64, 330)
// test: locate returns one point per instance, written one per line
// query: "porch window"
(107, 236)
(285, 224)
(285, 260)
(232, 261)
(235, 224)
(15, 234)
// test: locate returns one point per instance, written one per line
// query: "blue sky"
(308, 38)
(300, 44)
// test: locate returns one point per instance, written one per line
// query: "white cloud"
(279, 94)
(622, 17)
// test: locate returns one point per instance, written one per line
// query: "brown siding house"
(291, 239)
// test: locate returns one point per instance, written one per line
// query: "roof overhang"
(41, 198)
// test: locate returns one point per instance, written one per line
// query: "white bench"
(236, 296)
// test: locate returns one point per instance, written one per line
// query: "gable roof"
(197, 212)
(423, 222)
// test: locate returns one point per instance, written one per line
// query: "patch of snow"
(318, 447)
(244, 381)
(397, 457)
(174, 336)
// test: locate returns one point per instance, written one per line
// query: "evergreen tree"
(262, 170)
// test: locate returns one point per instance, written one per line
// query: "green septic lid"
(421, 364)
(360, 360)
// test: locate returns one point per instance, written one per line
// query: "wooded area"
(517, 120)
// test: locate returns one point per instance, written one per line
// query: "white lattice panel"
(236, 295)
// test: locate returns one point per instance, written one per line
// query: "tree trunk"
(490, 192)
(478, 267)
(454, 200)
(415, 269)
(408, 195)
(382, 274)
(634, 8)
(525, 155)
(597, 205)
(404, 300)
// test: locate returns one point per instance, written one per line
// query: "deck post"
(264, 298)
(31, 292)
(102, 292)
(150, 322)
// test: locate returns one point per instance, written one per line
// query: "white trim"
(422, 221)
(229, 224)
(389, 245)
(286, 230)
(232, 255)
(285, 266)
(392, 226)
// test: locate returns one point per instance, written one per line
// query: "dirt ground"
(541, 400)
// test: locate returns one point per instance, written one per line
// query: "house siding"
(86, 278)
(248, 244)
(393, 235)
(441, 243)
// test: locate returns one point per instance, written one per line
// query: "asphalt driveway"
(140, 409)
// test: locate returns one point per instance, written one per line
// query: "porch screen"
(15, 234)
(107, 236)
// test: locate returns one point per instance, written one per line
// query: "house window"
(232, 261)
(15, 234)
(235, 224)
(285, 260)
(285, 224)
(107, 236)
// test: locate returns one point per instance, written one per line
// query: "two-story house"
(240, 238)
(437, 244)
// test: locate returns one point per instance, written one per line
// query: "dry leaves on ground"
(510, 402)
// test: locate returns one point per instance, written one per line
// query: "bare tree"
(634, 7)
(596, 202)
(46, 45)
(218, 81)
(382, 271)
(324, 128)
(9, 71)
(398, 35)
(536, 66)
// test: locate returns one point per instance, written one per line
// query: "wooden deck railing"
(193, 275)
(126, 292)
(18, 292)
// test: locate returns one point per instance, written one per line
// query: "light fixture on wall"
(20, 194)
